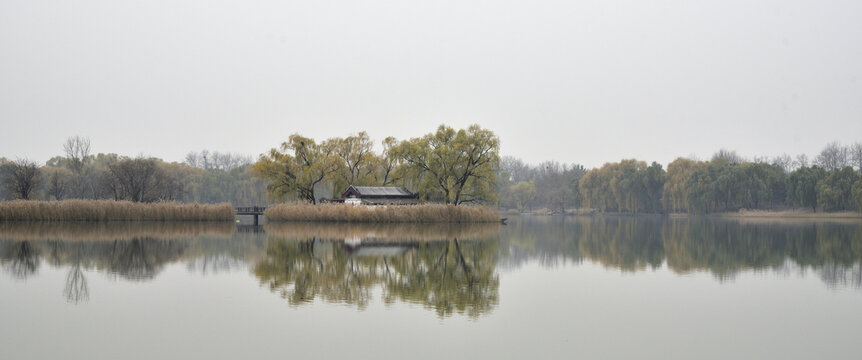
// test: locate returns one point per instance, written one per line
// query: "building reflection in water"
(448, 269)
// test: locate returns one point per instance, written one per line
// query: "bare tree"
(216, 161)
(729, 155)
(761, 159)
(141, 180)
(834, 156)
(192, 159)
(165, 187)
(77, 149)
(515, 169)
(58, 184)
(228, 161)
(785, 162)
(108, 186)
(134, 177)
(23, 176)
(205, 160)
(800, 161)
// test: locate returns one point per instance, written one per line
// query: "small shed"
(379, 195)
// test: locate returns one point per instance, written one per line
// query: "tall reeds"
(109, 210)
(429, 213)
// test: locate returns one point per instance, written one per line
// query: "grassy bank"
(109, 210)
(381, 214)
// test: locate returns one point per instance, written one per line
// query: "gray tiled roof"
(382, 191)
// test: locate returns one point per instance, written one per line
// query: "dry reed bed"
(110, 231)
(110, 210)
(429, 213)
(395, 232)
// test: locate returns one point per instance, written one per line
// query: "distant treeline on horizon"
(726, 182)
(447, 166)
(205, 177)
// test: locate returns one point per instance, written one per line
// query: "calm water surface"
(541, 287)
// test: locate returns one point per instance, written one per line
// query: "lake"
(540, 287)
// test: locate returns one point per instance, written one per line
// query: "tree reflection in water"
(136, 259)
(141, 258)
(449, 269)
(449, 276)
(76, 290)
(21, 259)
(719, 246)
(215, 264)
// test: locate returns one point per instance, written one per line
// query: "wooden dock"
(252, 211)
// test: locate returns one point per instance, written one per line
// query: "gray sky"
(573, 81)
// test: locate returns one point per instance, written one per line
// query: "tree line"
(726, 182)
(447, 166)
(452, 166)
(205, 177)
(550, 185)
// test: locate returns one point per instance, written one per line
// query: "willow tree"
(456, 166)
(834, 192)
(357, 159)
(674, 194)
(627, 186)
(388, 163)
(857, 194)
(295, 168)
(523, 193)
(802, 186)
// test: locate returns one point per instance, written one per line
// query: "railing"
(250, 210)
(255, 211)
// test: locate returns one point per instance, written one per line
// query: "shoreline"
(381, 214)
(100, 211)
(742, 214)
(790, 214)
(78, 210)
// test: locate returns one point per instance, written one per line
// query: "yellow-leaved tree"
(456, 167)
(295, 168)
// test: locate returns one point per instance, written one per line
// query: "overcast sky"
(573, 81)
